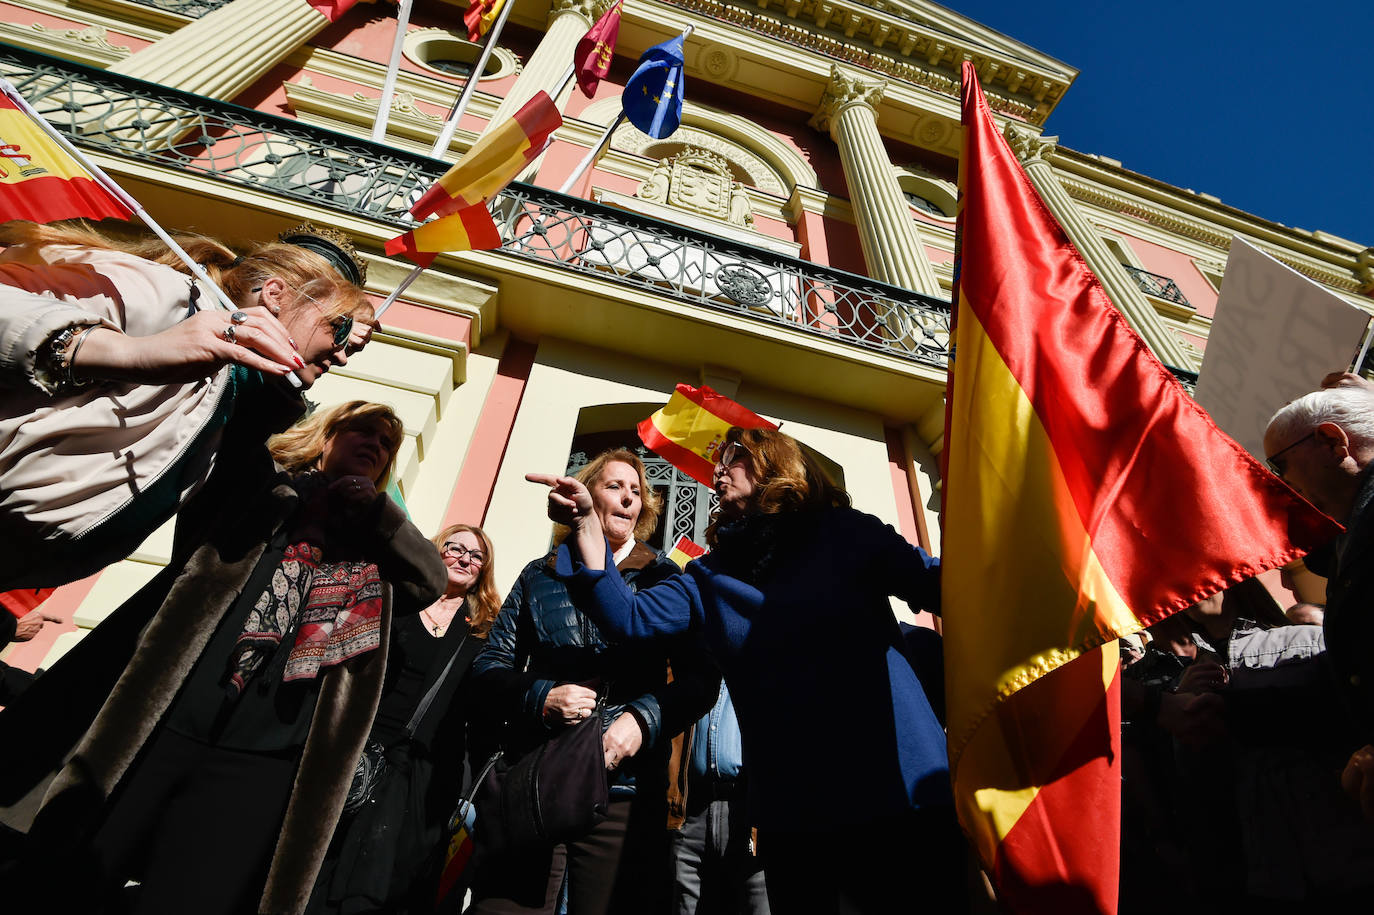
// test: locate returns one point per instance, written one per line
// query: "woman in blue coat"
(849, 781)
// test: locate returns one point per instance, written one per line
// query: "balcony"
(146, 123)
(1161, 287)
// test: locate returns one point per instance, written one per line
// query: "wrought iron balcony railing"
(190, 134)
(1159, 286)
(193, 9)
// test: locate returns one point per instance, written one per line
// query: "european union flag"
(653, 96)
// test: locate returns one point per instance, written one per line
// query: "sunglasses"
(732, 453)
(1279, 466)
(342, 324)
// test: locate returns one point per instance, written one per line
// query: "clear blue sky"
(1262, 104)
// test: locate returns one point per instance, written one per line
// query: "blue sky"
(1264, 105)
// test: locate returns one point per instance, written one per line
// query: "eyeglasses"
(732, 453)
(458, 551)
(1279, 466)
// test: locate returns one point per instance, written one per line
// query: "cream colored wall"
(568, 377)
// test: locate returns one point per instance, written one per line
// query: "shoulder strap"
(428, 698)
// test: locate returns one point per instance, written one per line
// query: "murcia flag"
(691, 427)
(493, 161)
(39, 180)
(593, 55)
(1085, 496)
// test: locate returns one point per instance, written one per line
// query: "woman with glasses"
(543, 669)
(383, 857)
(212, 724)
(124, 380)
(792, 600)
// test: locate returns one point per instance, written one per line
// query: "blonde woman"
(383, 856)
(219, 755)
(122, 380)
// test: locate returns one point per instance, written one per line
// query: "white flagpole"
(392, 68)
(396, 293)
(461, 105)
(1364, 348)
(591, 156)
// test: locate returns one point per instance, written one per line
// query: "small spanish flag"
(685, 550)
(691, 427)
(452, 884)
(39, 180)
(593, 54)
(480, 15)
(469, 229)
(493, 161)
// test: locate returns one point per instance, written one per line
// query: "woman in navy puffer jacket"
(849, 784)
(542, 669)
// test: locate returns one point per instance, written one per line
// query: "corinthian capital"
(587, 9)
(1029, 146)
(844, 90)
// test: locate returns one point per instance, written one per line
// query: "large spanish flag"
(494, 160)
(692, 426)
(1085, 496)
(39, 180)
(480, 16)
(469, 229)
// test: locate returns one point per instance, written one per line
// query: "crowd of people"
(313, 705)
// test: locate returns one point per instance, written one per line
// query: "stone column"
(1034, 151)
(891, 243)
(226, 51)
(568, 22)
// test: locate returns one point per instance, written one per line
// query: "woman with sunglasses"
(792, 600)
(383, 857)
(233, 695)
(124, 381)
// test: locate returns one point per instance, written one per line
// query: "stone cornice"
(900, 48)
(90, 46)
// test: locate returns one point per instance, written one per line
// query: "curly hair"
(483, 600)
(786, 478)
(651, 503)
(305, 272)
(300, 448)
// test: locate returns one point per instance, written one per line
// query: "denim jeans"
(714, 868)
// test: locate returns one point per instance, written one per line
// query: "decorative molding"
(845, 90)
(408, 128)
(700, 182)
(1197, 231)
(590, 10)
(718, 61)
(1029, 146)
(417, 40)
(1364, 271)
(90, 46)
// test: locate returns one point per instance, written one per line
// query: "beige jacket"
(67, 463)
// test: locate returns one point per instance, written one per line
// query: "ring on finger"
(239, 317)
(229, 334)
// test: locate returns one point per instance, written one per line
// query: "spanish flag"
(40, 180)
(469, 229)
(493, 161)
(691, 427)
(685, 550)
(593, 54)
(1086, 496)
(480, 16)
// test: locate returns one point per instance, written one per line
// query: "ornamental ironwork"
(192, 9)
(1161, 287)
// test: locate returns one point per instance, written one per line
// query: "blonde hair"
(300, 448)
(308, 274)
(786, 478)
(483, 601)
(651, 503)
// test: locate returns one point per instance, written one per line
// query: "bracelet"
(71, 358)
(53, 368)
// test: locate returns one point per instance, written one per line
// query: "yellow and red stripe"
(480, 16)
(685, 550)
(40, 181)
(494, 160)
(1085, 496)
(469, 229)
(692, 425)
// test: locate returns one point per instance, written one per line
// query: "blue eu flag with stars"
(653, 96)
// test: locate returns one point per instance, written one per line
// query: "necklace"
(434, 621)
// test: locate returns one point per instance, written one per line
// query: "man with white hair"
(1322, 444)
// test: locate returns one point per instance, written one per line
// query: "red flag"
(592, 57)
(332, 10)
(469, 229)
(479, 17)
(692, 425)
(685, 550)
(22, 601)
(41, 181)
(1086, 496)
(493, 161)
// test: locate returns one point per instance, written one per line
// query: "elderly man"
(1322, 444)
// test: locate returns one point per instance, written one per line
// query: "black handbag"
(555, 793)
(372, 765)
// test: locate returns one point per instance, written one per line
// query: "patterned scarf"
(334, 608)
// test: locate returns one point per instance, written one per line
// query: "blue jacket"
(833, 718)
(539, 640)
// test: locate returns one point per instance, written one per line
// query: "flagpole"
(461, 105)
(392, 68)
(396, 293)
(592, 155)
(1364, 348)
